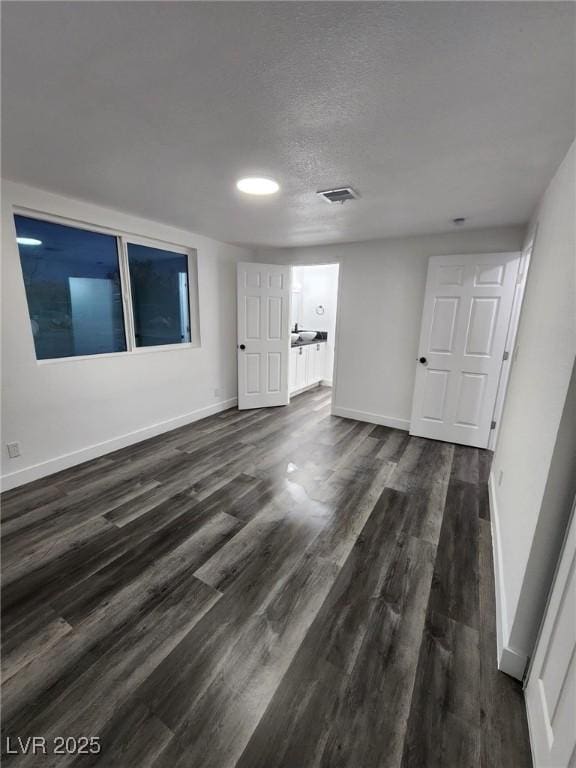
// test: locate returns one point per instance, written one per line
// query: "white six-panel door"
(263, 334)
(551, 687)
(465, 319)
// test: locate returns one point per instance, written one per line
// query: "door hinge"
(506, 355)
(492, 425)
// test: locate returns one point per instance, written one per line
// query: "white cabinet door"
(263, 334)
(306, 365)
(301, 367)
(314, 368)
(319, 362)
(465, 320)
(310, 364)
(551, 687)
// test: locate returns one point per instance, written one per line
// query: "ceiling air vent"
(338, 195)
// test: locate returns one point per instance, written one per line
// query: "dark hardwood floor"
(261, 589)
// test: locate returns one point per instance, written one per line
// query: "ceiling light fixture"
(254, 185)
(28, 241)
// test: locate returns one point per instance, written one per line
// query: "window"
(159, 282)
(93, 293)
(72, 281)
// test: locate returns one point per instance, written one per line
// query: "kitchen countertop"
(301, 343)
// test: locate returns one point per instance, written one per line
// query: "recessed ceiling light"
(28, 241)
(257, 186)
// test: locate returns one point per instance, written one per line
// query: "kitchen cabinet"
(302, 367)
(306, 366)
(317, 362)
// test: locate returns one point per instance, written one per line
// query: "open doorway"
(313, 308)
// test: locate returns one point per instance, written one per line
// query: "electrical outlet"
(217, 392)
(500, 476)
(13, 450)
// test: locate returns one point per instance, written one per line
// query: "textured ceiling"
(430, 110)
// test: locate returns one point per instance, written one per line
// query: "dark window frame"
(123, 239)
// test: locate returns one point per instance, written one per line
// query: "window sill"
(129, 353)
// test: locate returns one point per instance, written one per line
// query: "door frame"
(333, 262)
(554, 601)
(511, 347)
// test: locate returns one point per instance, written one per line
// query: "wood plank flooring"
(278, 588)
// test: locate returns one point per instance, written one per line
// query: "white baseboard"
(44, 468)
(315, 385)
(371, 418)
(508, 659)
(513, 663)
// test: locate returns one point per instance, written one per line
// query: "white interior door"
(551, 688)
(263, 335)
(465, 320)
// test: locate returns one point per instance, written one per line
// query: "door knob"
(423, 360)
(242, 346)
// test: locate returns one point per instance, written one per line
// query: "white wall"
(380, 306)
(64, 412)
(534, 469)
(319, 285)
